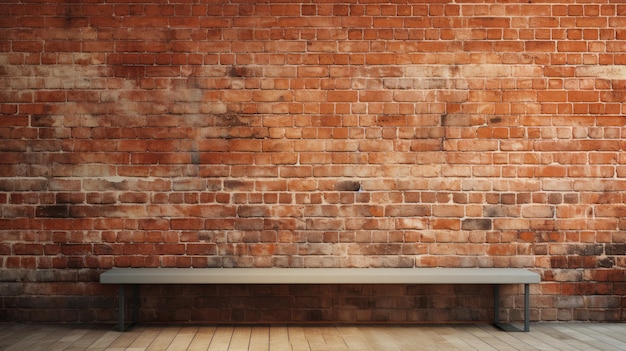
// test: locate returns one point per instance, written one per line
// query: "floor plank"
(611, 331)
(124, 340)
(78, 343)
(183, 339)
(144, 337)
(103, 342)
(543, 336)
(163, 339)
(297, 339)
(600, 340)
(380, 339)
(260, 338)
(279, 338)
(354, 341)
(221, 338)
(39, 338)
(202, 339)
(241, 339)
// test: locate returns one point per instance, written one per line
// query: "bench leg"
(496, 304)
(121, 325)
(135, 304)
(121, 307)
(526, 307)
(496, 307)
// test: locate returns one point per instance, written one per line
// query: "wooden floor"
(561, 336)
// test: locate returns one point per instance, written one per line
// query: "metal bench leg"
(135, 304)
(121, 326)
(496, 313)
(526, 307)
(121, 307)
(496, 304)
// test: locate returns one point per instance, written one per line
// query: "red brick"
(201, 249)
(587, 96)
(27, 46)
(342, 96)
(51, 96)
(62, 46)
(487, 22)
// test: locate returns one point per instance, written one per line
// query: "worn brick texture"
(356, 133)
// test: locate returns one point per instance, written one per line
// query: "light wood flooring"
(543, 336)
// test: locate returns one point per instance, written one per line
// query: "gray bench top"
(319, 276)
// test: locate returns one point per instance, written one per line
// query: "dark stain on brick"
(495, 211)
(348, 185)
(45, 121)
(591, 250)
(476, 224)
(558, 262)
(606, 262)
(235, 72)
(315, 315)
(455, 120)
(75, 262)
(238, 185)
(230, 120)
(616, 249)
(195, 158)
(53, 211)
(74, 17)
(242, 72)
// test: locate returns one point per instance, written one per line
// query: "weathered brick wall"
(356, 133)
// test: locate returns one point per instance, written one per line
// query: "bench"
(338, 276)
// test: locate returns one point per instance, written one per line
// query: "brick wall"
(357, 133)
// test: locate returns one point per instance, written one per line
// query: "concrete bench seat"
(491, 276)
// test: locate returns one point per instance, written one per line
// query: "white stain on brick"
(605, 72)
